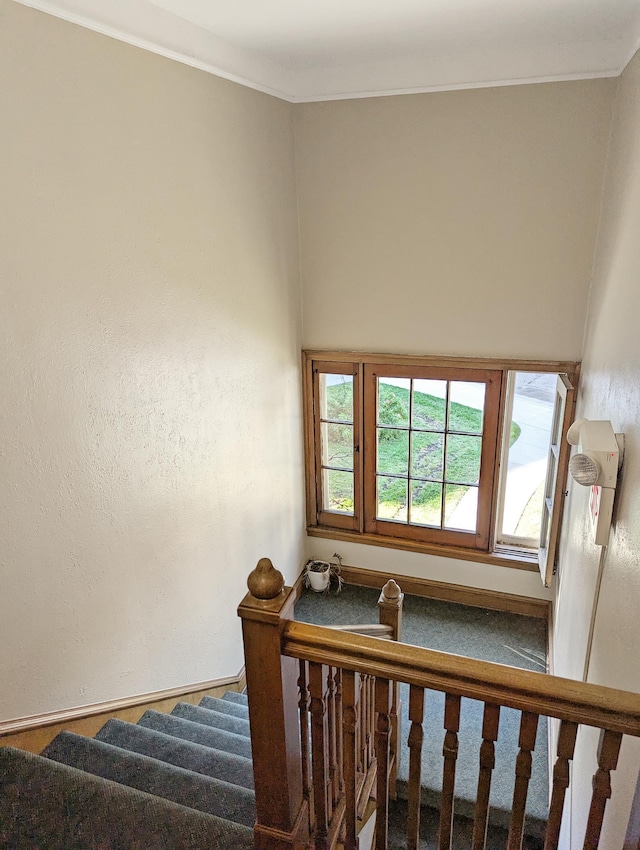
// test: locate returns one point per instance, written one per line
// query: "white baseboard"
(24, 724)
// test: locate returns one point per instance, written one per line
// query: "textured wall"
(459, 222)
(150, 435)
(610, 390)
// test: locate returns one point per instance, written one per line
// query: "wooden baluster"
(394, 740)
(362, 720)
(490, 723)
(360, 692)
(367, 722)
(608, 752)
(390, 614)
(350, 728)
(304, 706)
(319, 741)
(565, 748)
(416, 734)
(450, 754)
(338, 786)
(372, 718)
(332, 742)
(526, 742)
(382, 734)
(339, 732)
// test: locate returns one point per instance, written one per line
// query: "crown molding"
(274, 82)
(634, 50)
(489, 84)
(144, 25)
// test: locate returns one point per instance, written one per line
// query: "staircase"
(180, 780)
(326, 717)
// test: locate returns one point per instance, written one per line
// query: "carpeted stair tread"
(462, 833)
(237, 725)
(45, 805)
(233, 696)
(195, 757)
(188, 730)
(225, 706)
(202, 793)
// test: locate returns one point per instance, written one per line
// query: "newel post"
(390, 608)
(390, 613)
(282, 816)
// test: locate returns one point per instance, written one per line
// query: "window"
(337, 437)
(450, 455)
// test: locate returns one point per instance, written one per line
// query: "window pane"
(429, 404)
(466, 403)
(393, 451)
(337, 445)
(392, 498)
(463, 459)
(426, 503)
(336, 397)
(529, 437)
(337, 488)
(393, 401)
(427, 455)
(460, 507)
(545, 527)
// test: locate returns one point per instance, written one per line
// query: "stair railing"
(338, 707)
(292, 814)
(335, 786)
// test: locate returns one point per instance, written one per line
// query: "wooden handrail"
(566, 699)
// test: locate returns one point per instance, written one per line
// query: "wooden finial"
(391, 591)
(265, 582)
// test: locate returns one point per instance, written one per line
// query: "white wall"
(433, 567)
(458, 223)
(610, 390)
(150, 434)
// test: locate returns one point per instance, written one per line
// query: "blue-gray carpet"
(474, 632)
(180, 781)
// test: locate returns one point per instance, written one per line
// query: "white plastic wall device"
(596, 465)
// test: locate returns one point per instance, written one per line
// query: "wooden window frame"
(363, 527)
(555, 483)
(334, 519)
(492, 380)
(504, 541)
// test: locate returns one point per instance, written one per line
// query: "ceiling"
(303, 50)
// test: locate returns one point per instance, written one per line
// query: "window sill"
(515, 561)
